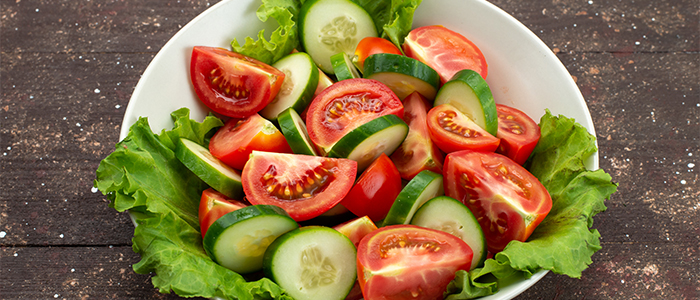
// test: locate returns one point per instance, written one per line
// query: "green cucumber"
(294, 131)
(451, 216)
(425, 186)
(327, 27)
(312, 262)
(210, 169)
(300, 82)
(469, 93)
(343, 67)
(402, 74)
(365, 143)
(238, 240)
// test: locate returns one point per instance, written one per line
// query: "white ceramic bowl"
(523, 71)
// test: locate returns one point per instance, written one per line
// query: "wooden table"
(68, 69)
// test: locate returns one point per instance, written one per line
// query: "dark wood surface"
(68, 69)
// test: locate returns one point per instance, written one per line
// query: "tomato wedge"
(232, 84)
(373, 45)
(346, 105)
(417, 152)
(305, 186)
(451, 130)
(375, 190)
(444, 50)
(212, 206)
(234, 142)
(519, 134)
(506, 199)
(409, 262)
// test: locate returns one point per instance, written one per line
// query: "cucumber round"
(238, 240)
(365, 143)
(402, 74)
(294, 131)
(300, 82)
(210, 169)
(312, 263)
(451, 216)
(425, 186)
(327, 27)
(469, 93)
(343, 67)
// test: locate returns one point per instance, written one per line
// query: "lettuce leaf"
(143, 176)
(393, 18)
(563, 243)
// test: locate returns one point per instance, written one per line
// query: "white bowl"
(523, 71)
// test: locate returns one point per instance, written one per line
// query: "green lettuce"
(393, 18)
(563, 243)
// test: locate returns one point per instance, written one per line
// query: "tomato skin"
(234, 142)
(417, 152)
(304, 186)
(464, 133)
(444, 50)
(251, 84)
(518, 132)
(214, 205)
(373, 45)
(409, 262)
(346, 105)
(492, 186)
(375, 190)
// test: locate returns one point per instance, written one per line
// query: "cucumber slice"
(210, 169)
(312, 263)
(451, 216)
(343, 67)
(328, 27)
(294, 131)
(238, 240)
(425, 186)
(365, 143)
(470, 94)
(300, 82)
(402, 74)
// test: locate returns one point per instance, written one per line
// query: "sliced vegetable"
(375, 190)
(470, 94)
(425, 186)
(212, 206)
(452, 131)
(300, 83)
(402, 74)
(519, 134)
(294, 131)
(343, 67)
(209, 169)
(372, 45)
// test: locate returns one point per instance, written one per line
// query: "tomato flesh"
(305, 186)
(452, 131)
(373, 45)
(506, 199)
(409, 262)
(375, 190)
(232, 84)
(234, 142)
(214, 205)
(444, 50)
(518, 132)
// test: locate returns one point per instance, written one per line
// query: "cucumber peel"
(402, 74)
(343, 67)
(425, 186)
(470, 94)
(294, 131)
(210, 169)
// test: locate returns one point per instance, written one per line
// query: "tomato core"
(446, 121)
(314, 181)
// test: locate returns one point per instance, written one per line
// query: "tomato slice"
(373, 45)
(452, 130)
(375, 190)
(417, 152)
(214, 205)
(346, 105)
(409, 262)
(234, 142)
(356, 229)
(232, 84)
(305, 186)
(519, 134)
(444, 50)
(506, 199)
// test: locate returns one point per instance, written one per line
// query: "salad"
(170, 241)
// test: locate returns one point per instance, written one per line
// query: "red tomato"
(214, 205)
(409, 262)
(519, 134)
(356, 229)
(375, 190)
(234, 142)
(452, 131)
(508, 201)
(346, 105)
(417, 152)
(232, 84)
(373, 45)
(305, 186)
(444, 50)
